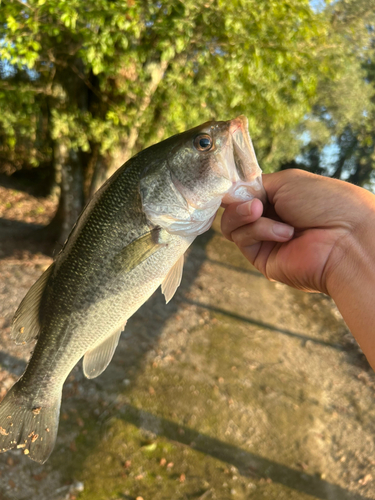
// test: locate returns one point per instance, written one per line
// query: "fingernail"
(245, 208)
(283, 230)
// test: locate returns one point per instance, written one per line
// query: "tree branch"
(156, 77)
(25, 4)
(90, 85)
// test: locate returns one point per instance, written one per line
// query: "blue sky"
(317, 4)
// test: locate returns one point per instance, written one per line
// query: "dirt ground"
(237, 389)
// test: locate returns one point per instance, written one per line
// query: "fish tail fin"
(28, 426)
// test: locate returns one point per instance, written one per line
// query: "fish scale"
(93, 320)
(129, 239)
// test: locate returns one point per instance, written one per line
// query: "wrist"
(351, 283)
(350, 264)
(352, 258)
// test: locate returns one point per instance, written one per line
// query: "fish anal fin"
(97, 359)
(173, 279)
(25, 327)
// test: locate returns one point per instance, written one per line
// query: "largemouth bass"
(129, 240)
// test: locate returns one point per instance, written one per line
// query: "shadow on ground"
(244, 461)
(141, 337)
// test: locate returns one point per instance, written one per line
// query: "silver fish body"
(129, 240)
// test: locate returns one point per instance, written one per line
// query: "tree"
(341, 125)
(86, 84)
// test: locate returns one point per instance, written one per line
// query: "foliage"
(343, 115)
(110, 74)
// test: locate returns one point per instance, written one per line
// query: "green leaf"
(168, 54)
(12, 23)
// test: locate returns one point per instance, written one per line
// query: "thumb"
(274, 182)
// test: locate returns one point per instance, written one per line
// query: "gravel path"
(239, 388)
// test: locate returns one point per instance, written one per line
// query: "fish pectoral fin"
(173, 279)
(141, 249)
(26, 322)
(97, 359)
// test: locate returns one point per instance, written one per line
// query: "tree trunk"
(99, 175)
(70, 164)
(362, 174)
(69, 173)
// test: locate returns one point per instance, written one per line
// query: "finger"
(258, 255)
(240, 214)
(270, 212)
(262, 230)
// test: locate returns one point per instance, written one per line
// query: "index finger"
(231, 220)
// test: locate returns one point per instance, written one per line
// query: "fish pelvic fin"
(97, 359)
(26, 321)
(28, 426)
(173, 279)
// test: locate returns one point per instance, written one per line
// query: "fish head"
(203, 167)
(216, 159)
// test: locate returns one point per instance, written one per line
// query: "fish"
(130, 238)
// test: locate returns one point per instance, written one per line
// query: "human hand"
(305, 231)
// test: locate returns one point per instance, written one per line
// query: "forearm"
(351, 284)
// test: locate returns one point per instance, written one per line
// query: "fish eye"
(203, 142)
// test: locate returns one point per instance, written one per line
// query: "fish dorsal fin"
(173, 279)
(97, 359)
(26, 323)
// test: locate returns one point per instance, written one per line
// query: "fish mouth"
(247, 175)
(243, 151)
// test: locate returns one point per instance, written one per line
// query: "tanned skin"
(315, 234)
